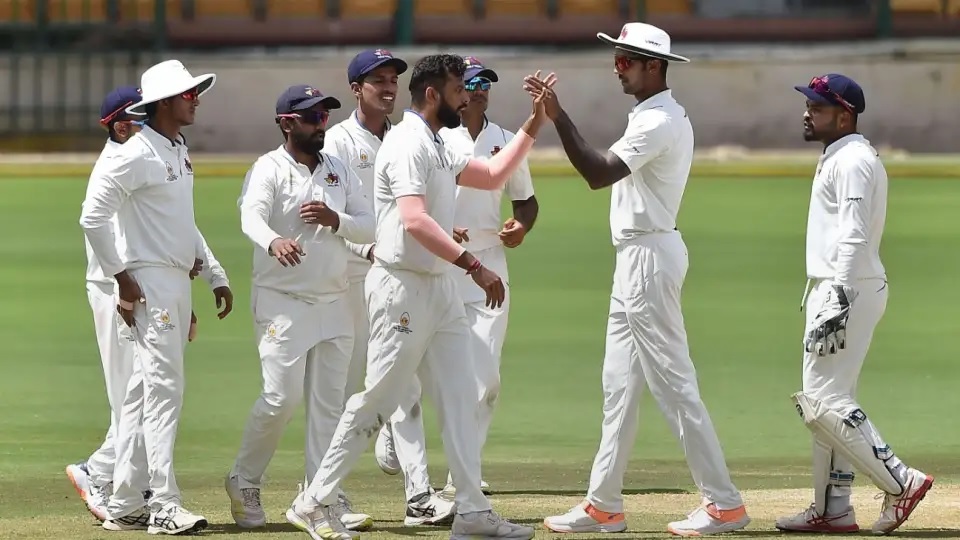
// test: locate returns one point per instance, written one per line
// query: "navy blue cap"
(835, 89)
(475, 68)
(300, 97)
(369, 60)
(116, 101)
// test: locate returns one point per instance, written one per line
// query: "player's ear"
(432, 94)
(357, 89)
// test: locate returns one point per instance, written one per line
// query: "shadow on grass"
(581, 492)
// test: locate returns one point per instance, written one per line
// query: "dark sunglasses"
(478, 83)
(821, 86)
(622, 63)
(191, 94)
(308, 117)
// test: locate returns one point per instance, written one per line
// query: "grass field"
(741, 303)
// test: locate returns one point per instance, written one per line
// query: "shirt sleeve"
(855, 186)
(111, 183)
(407, 172)
(212, 272)
(456, 160)
(357, 221)
(335, 144)
(520, 184)
(256, 203)
(646, 136)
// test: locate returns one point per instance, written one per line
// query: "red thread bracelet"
(474, 267)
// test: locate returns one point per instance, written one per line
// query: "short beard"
(448, 116)
(307, 144)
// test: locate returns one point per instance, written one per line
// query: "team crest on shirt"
(364, 160)
(403, 325)
(332, 179)
(171, 176)
(163, 320)
(495, 151)
(187, 164)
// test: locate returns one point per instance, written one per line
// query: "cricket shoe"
(245, 506)
(322, 524)
(386, 452)
(137, 521)
(708, 519)
(480, 525)
(175, 520)
(585, 518)
(97, 499)
(429, 508)
(809, 521)
(897, 508)
(94, 498)
(353, 521)
(450, 490)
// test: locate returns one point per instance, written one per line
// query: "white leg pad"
(852, 436)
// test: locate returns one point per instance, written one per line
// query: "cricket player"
(848, 206)
(93, 478)
(298, 204)
(478, 228)
(646, 343)
(148, 185)
(417, 321)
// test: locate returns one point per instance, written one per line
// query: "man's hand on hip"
(828, 332)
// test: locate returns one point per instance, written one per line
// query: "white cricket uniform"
(115, 342)
(417, 322)
(646, 344)
(844, 230)
(357, 147)
(302, 335)
(148, 185)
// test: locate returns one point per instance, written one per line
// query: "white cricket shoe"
(322, 524)
(450, 490)
(386, 452)
(97, 499)
(479, 525)
(93, 497)
(810, 521)
(245, 505)
(585, 518)
(708, 519)
(353, 521)
(139, 520)
(897, 508)
(429, 508)
(175, 519)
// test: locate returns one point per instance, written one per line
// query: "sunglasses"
(478, 83)
(191, 95)
(821, 86)
(308, 117)
(622, 63)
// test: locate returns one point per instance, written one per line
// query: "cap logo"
(383, 53)
(472, 61)
(310, 91)
(623, 33)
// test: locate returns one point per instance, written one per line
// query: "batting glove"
(828, 332)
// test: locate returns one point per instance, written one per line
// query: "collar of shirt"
(112, 145)
(420, 122)
(159, 140)
(464, 129)
(654, 101)
(282, 152)
(359, 124)
(836, 145)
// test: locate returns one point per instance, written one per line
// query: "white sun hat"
(167, 79)
(645, 39)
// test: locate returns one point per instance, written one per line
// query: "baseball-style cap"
(369, 60)
(835, 89)
(116, 101)
(475, 68)
(301, 97)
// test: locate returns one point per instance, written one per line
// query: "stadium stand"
(22, 11)
(515, 8)
(367, 8)
(916, 6)
(77, 11)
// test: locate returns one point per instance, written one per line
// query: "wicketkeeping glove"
(828, 332)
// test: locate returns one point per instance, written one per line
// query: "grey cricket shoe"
(487, 525)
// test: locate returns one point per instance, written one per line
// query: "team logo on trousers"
(163, 320)
(403, 325)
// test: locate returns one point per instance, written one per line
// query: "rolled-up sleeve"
(111, 183)
(256, 203)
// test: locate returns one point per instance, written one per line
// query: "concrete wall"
(734, 96)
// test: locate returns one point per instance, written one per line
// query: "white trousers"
(646, 347)
(833, 379)
(116, 344)
(417, 327)
(155, 393)
(304, 352)
(361, 335)
(488, 329)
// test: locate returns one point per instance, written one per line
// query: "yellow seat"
(143, 10)
(589, 7)
(209, 9)
(668, 7)
(18, 11)
(295, 9)
(443, 7)
(953, 8)
(916, 6)
(367, 8)
(515, 8)
(77, 11)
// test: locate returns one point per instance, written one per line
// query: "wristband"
(474, 267)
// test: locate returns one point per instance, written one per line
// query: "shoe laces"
(342, 506)
(333, 520)
(251, 497)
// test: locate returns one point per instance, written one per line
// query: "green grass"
(741, 304)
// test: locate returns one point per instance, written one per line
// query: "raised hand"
(545, 98)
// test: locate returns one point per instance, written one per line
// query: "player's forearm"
(254, 225)
(591, 164)
(212, 272)
(103, 244)
(360, 250)
(418, 223)
(526, 212)
(357, 228)
(494, 173)
(847, 255)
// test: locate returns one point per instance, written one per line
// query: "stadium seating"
(367, 8)
(17, 11)
(239, 9)
(669, 7)
(77, 11)
(588, 7)
(432, 8)
(515, 8)
(953, 8)
(145, 10)
(916, 6)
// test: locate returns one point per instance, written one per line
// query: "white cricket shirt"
(479, 210)
(413, 161)
(273, 191)
(657, 146)
(148, 185)
(848, 208)
(357, 147)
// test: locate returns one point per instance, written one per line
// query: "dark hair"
(432, 72)
(150, 109)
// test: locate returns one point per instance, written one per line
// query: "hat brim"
(329, 102)
(481, 72)
(819, 98)
(203, 83)
(640, 50)
(397, 63)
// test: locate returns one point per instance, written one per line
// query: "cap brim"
(481, 72)
(640, 50)
(203, 83)
(329, 102)
(813, 96)
(397, 63)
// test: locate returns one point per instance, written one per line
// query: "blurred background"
(59, 57)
